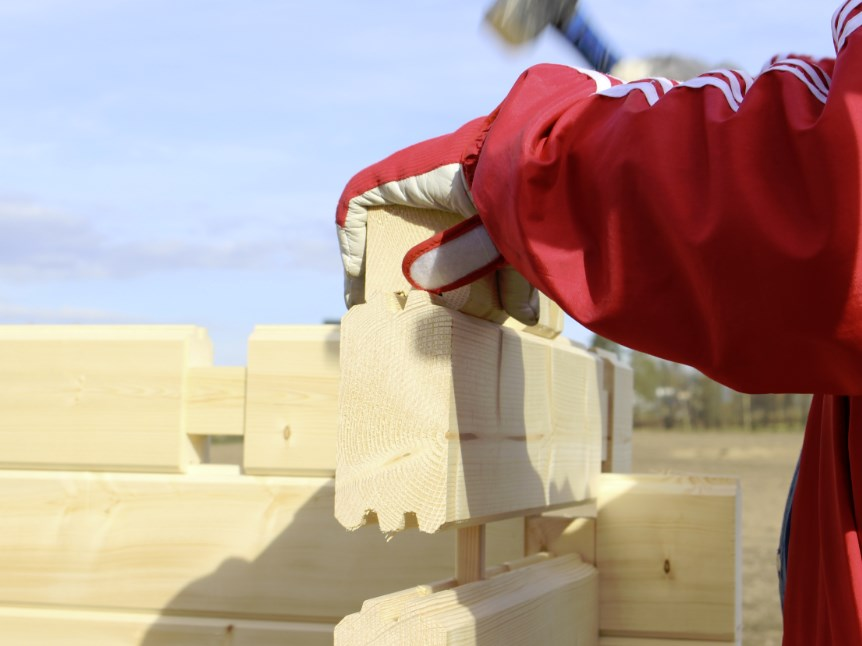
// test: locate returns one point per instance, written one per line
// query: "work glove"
(429, 175)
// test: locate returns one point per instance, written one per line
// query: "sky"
(180, 162)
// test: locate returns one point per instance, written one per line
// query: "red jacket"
(715, 223)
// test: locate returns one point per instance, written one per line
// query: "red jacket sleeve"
(714, 222)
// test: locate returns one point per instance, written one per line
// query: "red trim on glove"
(439, 240)
(417, 159)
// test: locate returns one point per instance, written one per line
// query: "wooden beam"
(553, 603)
(459, 420)
(505, 542)
(643, 525)
(393, 230)
(211, 542)
(619, 385)
(668, 550)
(215, 400)
(292, 405)
(99, 397)
(470, 565)
(45, 626)
(374, 620)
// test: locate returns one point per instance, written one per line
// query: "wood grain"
(552, 603)
(99, 397)
(51, 627)
(668, 551)
(292, 405)
(212, 542)
(215, 400)
(458, 420)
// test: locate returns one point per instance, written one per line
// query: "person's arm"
(714, 223)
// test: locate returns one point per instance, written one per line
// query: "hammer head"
(520, 21)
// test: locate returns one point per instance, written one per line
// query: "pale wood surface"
(392, 231)
(21, 626)
(211, 541)
(606, 431)
(215, 400)
(292, 400)
(552, 603)
(668, 551)
(560, 536)
(619, 385)
(471, 554)
(373, 621)
(97, 396)
(643, 525)
(376, 623)
(459, 420)
(505, 541)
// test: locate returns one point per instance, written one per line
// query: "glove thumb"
(461, 254)
(452, 258)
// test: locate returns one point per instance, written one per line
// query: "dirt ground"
(764, 462)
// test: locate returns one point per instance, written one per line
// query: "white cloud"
(40, 243)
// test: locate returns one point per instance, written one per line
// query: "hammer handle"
(588, 43)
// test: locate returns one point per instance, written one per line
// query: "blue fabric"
(784, 541)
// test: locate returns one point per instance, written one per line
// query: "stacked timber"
(481, 448)
(453, 416)
(117, 529)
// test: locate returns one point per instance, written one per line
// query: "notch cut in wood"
(459, 420)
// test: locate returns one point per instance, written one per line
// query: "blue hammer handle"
(588, 43)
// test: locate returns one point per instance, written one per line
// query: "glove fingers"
(452, 258)
(518, 297)
(425, 175)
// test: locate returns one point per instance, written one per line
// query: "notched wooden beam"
(457, 419)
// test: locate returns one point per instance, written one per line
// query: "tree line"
(673, 396)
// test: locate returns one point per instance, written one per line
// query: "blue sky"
(179, 162)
